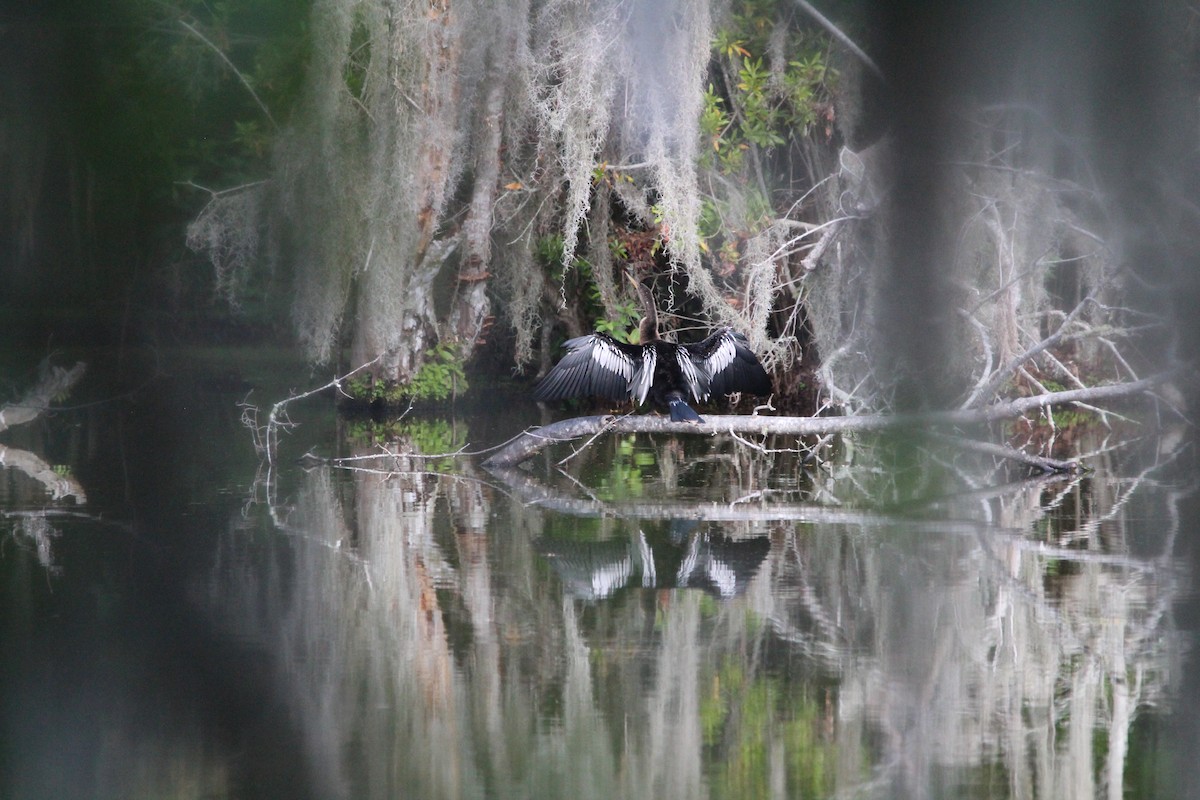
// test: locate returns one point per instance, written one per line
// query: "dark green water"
(661, 619)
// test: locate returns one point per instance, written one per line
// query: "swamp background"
(219, 205)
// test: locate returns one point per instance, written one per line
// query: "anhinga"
(597, 365)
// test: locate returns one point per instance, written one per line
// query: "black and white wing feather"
(726, 364)
(597, 365)
(692, 370)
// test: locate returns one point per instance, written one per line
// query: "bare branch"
(533, 441)
(236, 71)
(266, 436)
(836, 33)
(981, 394)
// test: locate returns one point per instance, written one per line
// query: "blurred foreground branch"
(52, 382)
(59, 486)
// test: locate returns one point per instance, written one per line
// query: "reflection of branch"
(533, 492)
(52, 382)
(38, 532)
(58, 486)
(1047, 465)
(535, 440)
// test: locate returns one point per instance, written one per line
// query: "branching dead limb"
(266, 436)
(981, 394)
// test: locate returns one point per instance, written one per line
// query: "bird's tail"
(680, 410)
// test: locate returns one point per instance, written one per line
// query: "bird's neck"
(648, 330)
(648, 327)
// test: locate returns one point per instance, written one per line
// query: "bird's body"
(597, 365)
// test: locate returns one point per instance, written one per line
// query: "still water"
(653, 618)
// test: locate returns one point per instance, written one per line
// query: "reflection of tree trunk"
(469, 509)
(674, 740)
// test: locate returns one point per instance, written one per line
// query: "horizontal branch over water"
(533, 441)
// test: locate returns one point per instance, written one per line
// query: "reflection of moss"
(580, 529)
(987, 779)
(1150, 766)
(742, 720)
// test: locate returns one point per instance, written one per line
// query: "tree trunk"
(395, 313)
(471, 305)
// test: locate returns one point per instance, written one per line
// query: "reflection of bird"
(597, 365)
(705, 560)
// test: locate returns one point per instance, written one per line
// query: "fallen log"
(532, 441)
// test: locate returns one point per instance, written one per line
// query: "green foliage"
(709, 224)
(760, 115)
(441, 376)
(548, 250)
(762, 104)
(719, 148)
(580, 284)
(622, 325)
(365, 389)
(355, 71)
(229, 57)
(623, 328)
